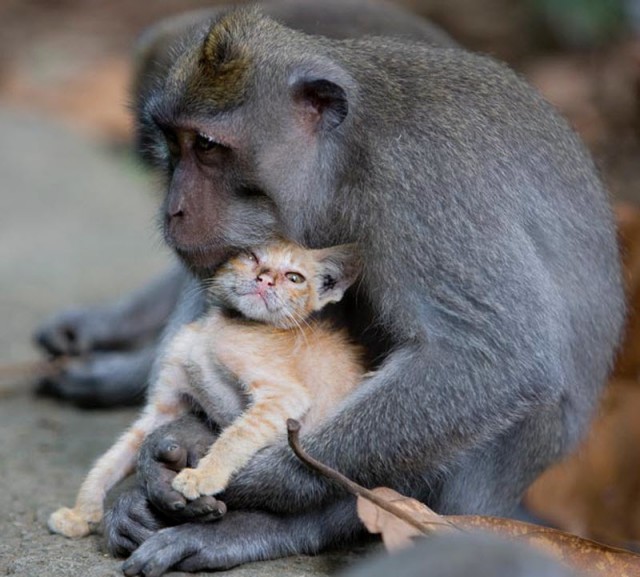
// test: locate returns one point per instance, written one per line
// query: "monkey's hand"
(130, 522)
(168, 451)
(102, 380)
(76, 332)
(240, 537)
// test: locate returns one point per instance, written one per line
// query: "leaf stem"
(293, 435)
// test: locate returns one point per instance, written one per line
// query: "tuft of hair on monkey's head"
(225, 58)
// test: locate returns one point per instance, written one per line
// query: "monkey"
(113, 346)
(490, 293)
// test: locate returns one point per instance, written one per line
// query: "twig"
(28, 369)
(293, 430)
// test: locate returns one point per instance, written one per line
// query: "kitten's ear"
(339, 267)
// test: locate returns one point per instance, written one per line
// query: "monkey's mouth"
(204, 260)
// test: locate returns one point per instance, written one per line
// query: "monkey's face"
(244, 143)
(211, 208)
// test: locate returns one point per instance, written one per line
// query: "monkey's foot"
(69, 522)
(194, 483)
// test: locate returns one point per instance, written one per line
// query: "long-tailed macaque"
(490, 294)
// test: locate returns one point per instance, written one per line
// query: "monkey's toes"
(69, 522)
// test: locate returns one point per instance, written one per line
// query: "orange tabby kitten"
(289, 365)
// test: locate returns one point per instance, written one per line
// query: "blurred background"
(70, 59)
(77, 207)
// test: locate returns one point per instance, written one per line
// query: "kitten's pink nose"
(265, 279)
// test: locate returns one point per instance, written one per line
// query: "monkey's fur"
(491, 285)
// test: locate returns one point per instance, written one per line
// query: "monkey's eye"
(204, 143)
(295, 277)
(207, 150)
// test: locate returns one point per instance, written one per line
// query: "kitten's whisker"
(299, 327)
(297, 320)
(303, 319)
(194, 291)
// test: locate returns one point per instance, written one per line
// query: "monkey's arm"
(114, 368)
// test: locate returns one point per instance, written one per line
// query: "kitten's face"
(282, 284)
(273, 284)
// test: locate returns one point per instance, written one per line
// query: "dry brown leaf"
(587, 556)
(396, 533)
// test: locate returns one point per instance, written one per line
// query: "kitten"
(259, 338)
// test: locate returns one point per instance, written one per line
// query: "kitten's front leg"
(164, 406)
(263, 424)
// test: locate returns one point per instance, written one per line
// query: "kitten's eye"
(252, 256)
(295, 277)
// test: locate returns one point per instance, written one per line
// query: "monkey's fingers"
(98, 380)
(130, 522)
(173, 455)
(175, 505)
(71, 332)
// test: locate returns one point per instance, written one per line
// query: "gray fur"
(117, 344)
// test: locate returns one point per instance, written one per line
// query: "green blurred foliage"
(583, 23)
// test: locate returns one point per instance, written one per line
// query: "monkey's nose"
(176, 212)
(175, 208)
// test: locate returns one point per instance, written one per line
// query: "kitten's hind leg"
(118, 462)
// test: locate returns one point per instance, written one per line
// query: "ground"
(72, 213)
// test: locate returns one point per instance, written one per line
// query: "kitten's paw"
(187, 482)
(192, 483)
(69, 522)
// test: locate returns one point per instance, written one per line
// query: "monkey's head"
(246, 119)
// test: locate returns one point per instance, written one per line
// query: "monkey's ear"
(322, 103)
(339, 268)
